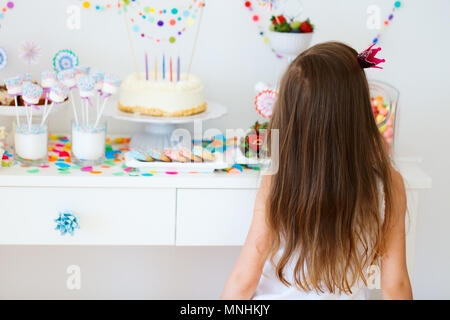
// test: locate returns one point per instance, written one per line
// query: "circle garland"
(3, 9)
(261, 30)
(64, 59)
(159, 17)
(387, 21)
(174, 17)
(3, 58)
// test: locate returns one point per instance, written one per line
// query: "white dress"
(271, 288)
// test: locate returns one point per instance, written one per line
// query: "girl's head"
(325, 198)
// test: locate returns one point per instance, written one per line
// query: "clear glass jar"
(88, 143)
(384, 100)
(31, 144)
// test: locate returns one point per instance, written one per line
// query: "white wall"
(230, 59)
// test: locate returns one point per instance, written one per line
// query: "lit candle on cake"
(171, 78)
(146, 66)
(178, 68)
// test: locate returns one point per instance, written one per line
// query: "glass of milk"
(88, 143)
(30, 144)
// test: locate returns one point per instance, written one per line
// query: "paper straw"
(47, 114)
(101, 112)
(29, 113)
(74, 107)
(44, 114)
(17, 111)
(86, 108)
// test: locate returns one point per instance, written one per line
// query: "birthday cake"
(162, 97)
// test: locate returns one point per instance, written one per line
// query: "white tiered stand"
(10, 111)
(158, 130)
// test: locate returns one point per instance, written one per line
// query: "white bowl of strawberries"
(290, 38)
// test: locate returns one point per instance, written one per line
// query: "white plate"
(213, 110)
(160, 166)
(11, 111)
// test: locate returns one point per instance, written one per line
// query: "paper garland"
(166, 18)
(261, 29)
(142, 17)
(64, 60)
(3, 58)
(386, 22)
(267, 4)
(265, 102)
(4, 9)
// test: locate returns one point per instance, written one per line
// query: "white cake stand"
(11, 110)
(158, 130)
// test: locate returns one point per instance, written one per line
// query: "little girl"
(335, 208)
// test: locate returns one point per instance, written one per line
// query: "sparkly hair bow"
(367, 59)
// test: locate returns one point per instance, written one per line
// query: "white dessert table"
(209, 210)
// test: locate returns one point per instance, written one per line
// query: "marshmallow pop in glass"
(89, 134)
(30, 139)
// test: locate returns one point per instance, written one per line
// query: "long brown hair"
(324, 202)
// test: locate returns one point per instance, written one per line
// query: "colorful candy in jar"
(381, 111)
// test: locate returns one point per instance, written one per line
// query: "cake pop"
(67, 77)
(58, 93)
(31, 93)
(86, 86)
(48, 78)
(110, 84)
(14, 85)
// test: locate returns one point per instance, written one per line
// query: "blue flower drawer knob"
(67, 222)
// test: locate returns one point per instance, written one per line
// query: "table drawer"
(107, 216)
(214, 216)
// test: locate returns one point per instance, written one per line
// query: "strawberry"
(278, 20)
(255, 142)
(306, 26)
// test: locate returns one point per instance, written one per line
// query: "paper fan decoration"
(30, 52)
(3, 58)
(265, 101)
(64, 60)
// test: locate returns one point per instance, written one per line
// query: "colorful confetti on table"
(59, 159)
